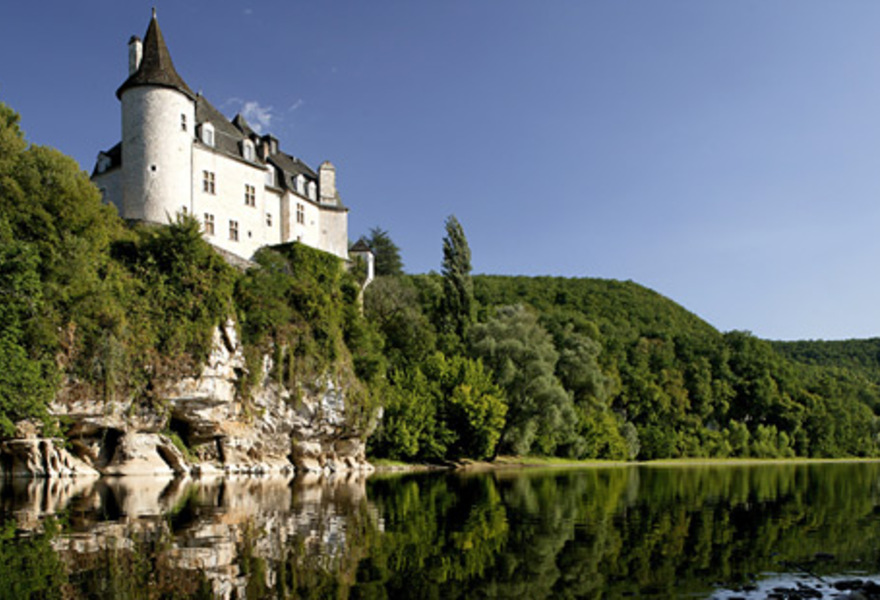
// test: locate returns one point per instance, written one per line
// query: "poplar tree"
(458, 307)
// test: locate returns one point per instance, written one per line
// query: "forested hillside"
(861, 356)
(600, 368)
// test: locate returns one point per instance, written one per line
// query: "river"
(710, 531)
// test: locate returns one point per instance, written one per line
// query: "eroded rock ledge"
(203, 426)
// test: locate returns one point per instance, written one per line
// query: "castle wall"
(156, 153)
(110, 184)
(333, 234)
(227, 202)
(307, 230)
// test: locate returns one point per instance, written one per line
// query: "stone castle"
(180, 155)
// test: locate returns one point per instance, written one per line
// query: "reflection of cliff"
(229, 534)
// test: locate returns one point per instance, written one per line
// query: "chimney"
(135, 53)
(270, 144)
(327, 182)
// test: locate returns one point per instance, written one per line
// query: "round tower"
(158, 123)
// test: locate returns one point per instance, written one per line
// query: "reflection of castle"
(178, 154)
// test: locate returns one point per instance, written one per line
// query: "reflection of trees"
(439, 531)
(595, 533)
(609, 532)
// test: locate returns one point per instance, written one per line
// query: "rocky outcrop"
(42, 457)
(203, 424)
(146, 454)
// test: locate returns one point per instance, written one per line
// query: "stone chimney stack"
(327, 182)
(135, 53)
(269, 145)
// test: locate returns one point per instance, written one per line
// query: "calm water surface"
(647, 532)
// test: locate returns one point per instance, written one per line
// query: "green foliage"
(26, 382)
(446, 408)
(120, 310)
(609, 369)
(463, 365)
(457, 306)
(296, 303)
(392, 304)
(190, 286)
(385, 252)
(30, 568)
(523, 358)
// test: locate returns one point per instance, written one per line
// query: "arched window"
(313, 191)
(270, 175)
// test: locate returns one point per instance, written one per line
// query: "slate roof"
(115, 155)
(291, 167)
(360, 246)
(240, 122)
(156, 67)
(227, 137)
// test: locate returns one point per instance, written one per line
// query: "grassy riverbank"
(529, 462)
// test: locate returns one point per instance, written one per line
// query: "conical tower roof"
(156, 67)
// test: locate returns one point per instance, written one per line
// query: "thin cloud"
(259, 117)
(299, 102)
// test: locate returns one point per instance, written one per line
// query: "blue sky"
(725, 154)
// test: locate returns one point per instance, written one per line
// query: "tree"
(458, 308)
(392, 303)
(386, 253)
(523, 359)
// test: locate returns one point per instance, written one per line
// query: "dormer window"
(208, 134)
(300, 185)
(270, 176)
(313, 191)
(247, 150)
(103, 162)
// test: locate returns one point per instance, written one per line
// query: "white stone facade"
(178, 154)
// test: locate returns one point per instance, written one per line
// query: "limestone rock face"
(42, 457)
(145, 454)
(269, 429)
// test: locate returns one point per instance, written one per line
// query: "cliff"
(204, 425)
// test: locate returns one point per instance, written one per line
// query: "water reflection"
(591, 533)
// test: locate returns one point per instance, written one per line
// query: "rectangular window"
(233, 231)
(208, 134)
(300, 214)
(183, 121)
(250, 195)
(268, 219)
(208, 181)
(209, 224)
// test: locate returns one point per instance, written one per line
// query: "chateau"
(180, 155)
